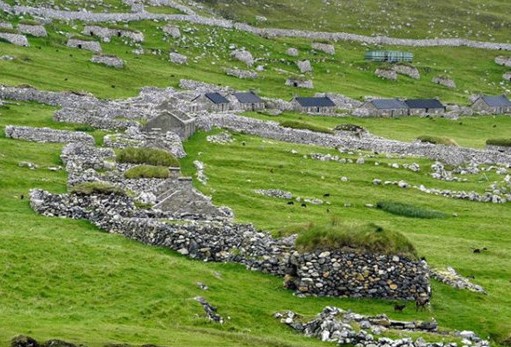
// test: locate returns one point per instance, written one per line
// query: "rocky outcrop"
(387, 74)
(304, 66)
(507, 76)
(503, 60)
(407, 70)
(172, 30)
(47, 135)
(324, 47)
(108, 60)
(444, 81)
(15, 39)
(33, 30)
(243, 74)
(177, 58)
(292, 52)
(243, 56)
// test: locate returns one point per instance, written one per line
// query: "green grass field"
(207, 48)
(67, 279)
(475, 19)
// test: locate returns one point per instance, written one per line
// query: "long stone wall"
(47, 135)
(448, 154)
(320, 273)
(265, 32)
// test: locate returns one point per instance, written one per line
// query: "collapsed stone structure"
(108, 60)
(15, 39)
(265, 32)
(92, 46)
(34, 30)
(106, 33)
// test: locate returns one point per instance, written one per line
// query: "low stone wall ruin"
(47, 135)
(265, 32)
(223, 241)
(268, 129)
(15, 39)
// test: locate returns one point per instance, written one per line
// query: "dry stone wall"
(224, 241)
(265, 32)
(15, 39)
(47, 135)
(448, 154)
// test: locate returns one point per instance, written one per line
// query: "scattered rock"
(444, 81)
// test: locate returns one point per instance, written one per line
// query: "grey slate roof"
(496, 101)
(248, 98)
(389, 104)
(424, 103)
(324, 101)
(216, 98)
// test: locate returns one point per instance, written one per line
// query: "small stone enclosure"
(175, 121)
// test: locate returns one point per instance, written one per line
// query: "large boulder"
(243, 56)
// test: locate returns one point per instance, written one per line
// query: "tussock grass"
(305, 126)
(337, 235)
(89, 188)
(408, 210)
(437, 140)
(499, 142)
(147, 171)
(149, 156)
(8, 30)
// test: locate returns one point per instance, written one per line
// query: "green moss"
(149, 156)
(147, 171)
(437, 140)
(337, 235)
(89, 188)
(408, 210)
(305, 126)
(499, 142)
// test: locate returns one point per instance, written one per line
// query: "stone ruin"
(92, 46)
(108, 60)
(106, 33)
(177, 58)
(444, 81)
(172, 30)
(299, 83)
(388, 74)
(15, 39)
(33, 30)
(324, 47)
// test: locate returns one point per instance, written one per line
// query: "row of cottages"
(313, 104)
(216, 102)
(397, 108)
(492, 104)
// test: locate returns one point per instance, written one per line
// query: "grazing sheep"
(399, 307)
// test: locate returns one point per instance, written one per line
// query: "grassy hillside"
(66, 279)
(235, 170)
(474, 71)
(466, 131)
(475, 19)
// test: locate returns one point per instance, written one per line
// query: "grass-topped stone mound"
(337, 235)
(409, 210)
(437, 140)
(147, 171)
(148, 156)
(338, 259)
(499, 142)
